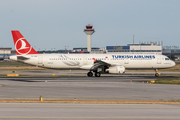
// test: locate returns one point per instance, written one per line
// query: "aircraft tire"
(89, 74)
(97, 74)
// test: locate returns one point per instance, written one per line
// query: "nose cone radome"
(13, 57)
(173, 63)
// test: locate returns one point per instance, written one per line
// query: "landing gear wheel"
(97, 74)
(89, 74)
(157, 75)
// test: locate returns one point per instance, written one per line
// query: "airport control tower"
(89, 31)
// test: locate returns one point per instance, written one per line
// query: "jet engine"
(118, 69)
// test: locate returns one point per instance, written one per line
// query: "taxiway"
(88, 88)
(66, 111)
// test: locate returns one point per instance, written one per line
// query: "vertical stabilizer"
(21, 45)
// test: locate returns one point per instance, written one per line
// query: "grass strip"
(167, 81)
(22, 68)
(88, 101)
(42, 76)
(11, 63)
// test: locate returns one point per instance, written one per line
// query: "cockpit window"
(167, 59)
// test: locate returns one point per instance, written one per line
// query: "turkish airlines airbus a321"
(97, 63)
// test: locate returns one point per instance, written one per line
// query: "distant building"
(84, 50)
(7, 51)
(152, 48)
(171, 52)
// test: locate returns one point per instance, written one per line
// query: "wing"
(98, 64)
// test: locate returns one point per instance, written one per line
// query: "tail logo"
(22, 47)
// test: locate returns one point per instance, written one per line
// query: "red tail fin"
(21, 45)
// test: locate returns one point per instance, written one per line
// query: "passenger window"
(166, 58)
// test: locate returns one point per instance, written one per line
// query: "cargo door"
(126, 61)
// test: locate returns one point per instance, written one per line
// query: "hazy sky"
(48, 24)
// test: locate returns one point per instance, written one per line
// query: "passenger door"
(158, 60)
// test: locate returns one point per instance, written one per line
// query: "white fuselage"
(86, 61)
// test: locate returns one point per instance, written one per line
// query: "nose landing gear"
(156, 73)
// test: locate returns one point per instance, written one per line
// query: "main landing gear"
(156, 73)
(97, 74)
(90, 74)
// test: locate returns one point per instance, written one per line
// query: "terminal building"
(151, 48)
(5, 52)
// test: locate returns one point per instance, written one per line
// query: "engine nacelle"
(118, 69)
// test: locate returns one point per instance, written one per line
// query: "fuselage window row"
(64, 59)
